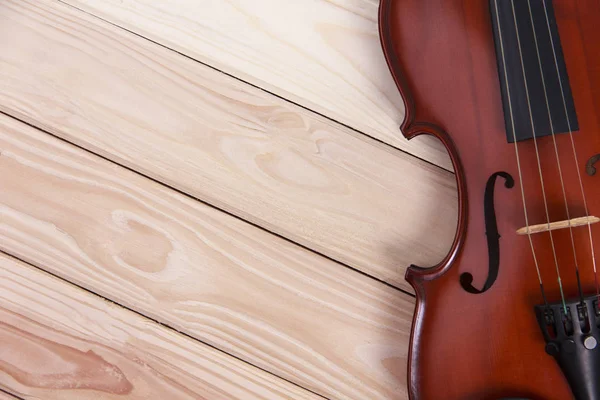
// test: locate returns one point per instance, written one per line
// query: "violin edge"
(410, 128)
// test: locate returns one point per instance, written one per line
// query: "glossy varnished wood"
(466, 346)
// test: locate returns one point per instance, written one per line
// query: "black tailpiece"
(573, 339)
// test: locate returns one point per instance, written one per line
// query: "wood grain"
(232, 145)
(234, 286)
(61, 342)
(322, 54)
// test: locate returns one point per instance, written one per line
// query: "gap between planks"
(188, 195)
(280, 167)
(5, 395)
(89, 221)
(106, 350)
(272, 46)
(442, 164)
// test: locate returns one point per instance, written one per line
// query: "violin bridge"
(552, 226)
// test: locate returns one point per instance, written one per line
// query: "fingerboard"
(537, 109)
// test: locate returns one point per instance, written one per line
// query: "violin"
(512, 90)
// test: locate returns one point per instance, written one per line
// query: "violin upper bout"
(416, 121)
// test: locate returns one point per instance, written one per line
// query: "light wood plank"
(61, 342)
(227, 283)
(232, 145)
(322, 54)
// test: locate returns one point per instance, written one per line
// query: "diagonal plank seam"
(379, 339)
(376, 139)
(269, 162)
(11, 395)
(191, 196)
(148, 318)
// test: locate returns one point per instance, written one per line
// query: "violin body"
(489, 345)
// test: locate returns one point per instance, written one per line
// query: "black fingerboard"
(518, 65)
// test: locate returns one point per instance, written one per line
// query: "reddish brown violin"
(512, 89)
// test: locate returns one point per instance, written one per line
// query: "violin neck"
(536, 92)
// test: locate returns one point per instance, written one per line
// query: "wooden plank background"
(322, 54)
(249, 216)
(233, 146)
(198, 270)
(108, 351)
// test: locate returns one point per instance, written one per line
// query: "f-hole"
(491, 232)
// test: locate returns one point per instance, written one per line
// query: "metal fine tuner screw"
(590, 343)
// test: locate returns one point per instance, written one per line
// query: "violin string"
(574, 150)
(537, 154)
(512, 120)
(553, 131)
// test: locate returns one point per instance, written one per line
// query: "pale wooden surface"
(283, 321)
(234, 146)
(60, 342)
(203, 272)
(322, 54)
